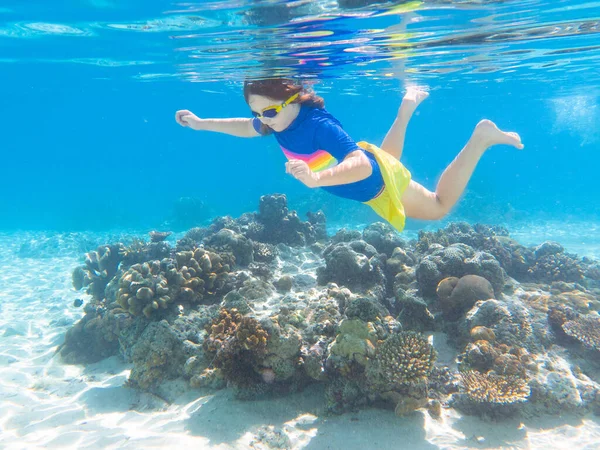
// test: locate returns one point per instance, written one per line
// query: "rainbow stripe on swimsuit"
(317, 161)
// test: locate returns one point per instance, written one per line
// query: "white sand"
(45, 404)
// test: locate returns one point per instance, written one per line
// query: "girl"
(321, 154)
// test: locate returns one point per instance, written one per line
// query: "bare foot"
(411, 100)
(490, 134)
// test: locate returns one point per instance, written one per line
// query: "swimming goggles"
(271, 111)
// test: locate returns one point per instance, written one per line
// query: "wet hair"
(281, 89)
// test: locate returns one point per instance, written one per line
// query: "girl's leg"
(419, 203)
(394, 140)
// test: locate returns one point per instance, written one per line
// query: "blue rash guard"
(317, 138)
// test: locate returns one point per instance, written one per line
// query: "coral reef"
(239, 345)
(150, 286)
(585, 329)
(100, 266)
(458, 260)
(458, 295)
(265, 304)
(406, 357)
(355, 264)
(491, 388)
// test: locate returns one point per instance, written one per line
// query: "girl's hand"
(187, 118)
(300, 170)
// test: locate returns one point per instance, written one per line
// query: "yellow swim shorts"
(396, 178)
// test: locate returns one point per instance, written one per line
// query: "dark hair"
(281, 89)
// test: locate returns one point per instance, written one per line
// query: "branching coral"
(406, 357)
(491, 388)
(239, 344)
(100, 266)
(585, 329)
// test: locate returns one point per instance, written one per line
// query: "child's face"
(282, 120)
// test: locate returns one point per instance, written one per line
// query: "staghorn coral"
(491, 388)
(586, 329)
(406, 357)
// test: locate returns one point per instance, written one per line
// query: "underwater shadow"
(223, 418)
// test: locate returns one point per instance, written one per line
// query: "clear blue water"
(89, 91)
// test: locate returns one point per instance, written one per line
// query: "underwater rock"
(560, 386)
(94, 337)
(353, 264)
(365, 309)
(413, 311)
(457, 260)
(459, 295)
(476, 236)
(265, 253)
(159, 236)
(158, 355)
(345, 235)
(513, 257)
(383, 237)
(139, 251)
(278, 225)
(510, 322)
(480, 333)
(401, 260)
(283, 351)
(150, 287)
(284, 283)
(226, 240)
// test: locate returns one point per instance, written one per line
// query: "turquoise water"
(90, 89)
(92, 155)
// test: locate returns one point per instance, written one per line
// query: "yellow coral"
(406, 357)
(490, 388)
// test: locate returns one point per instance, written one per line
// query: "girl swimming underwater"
(321, 154)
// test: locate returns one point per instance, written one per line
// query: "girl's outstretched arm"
(235, 127)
